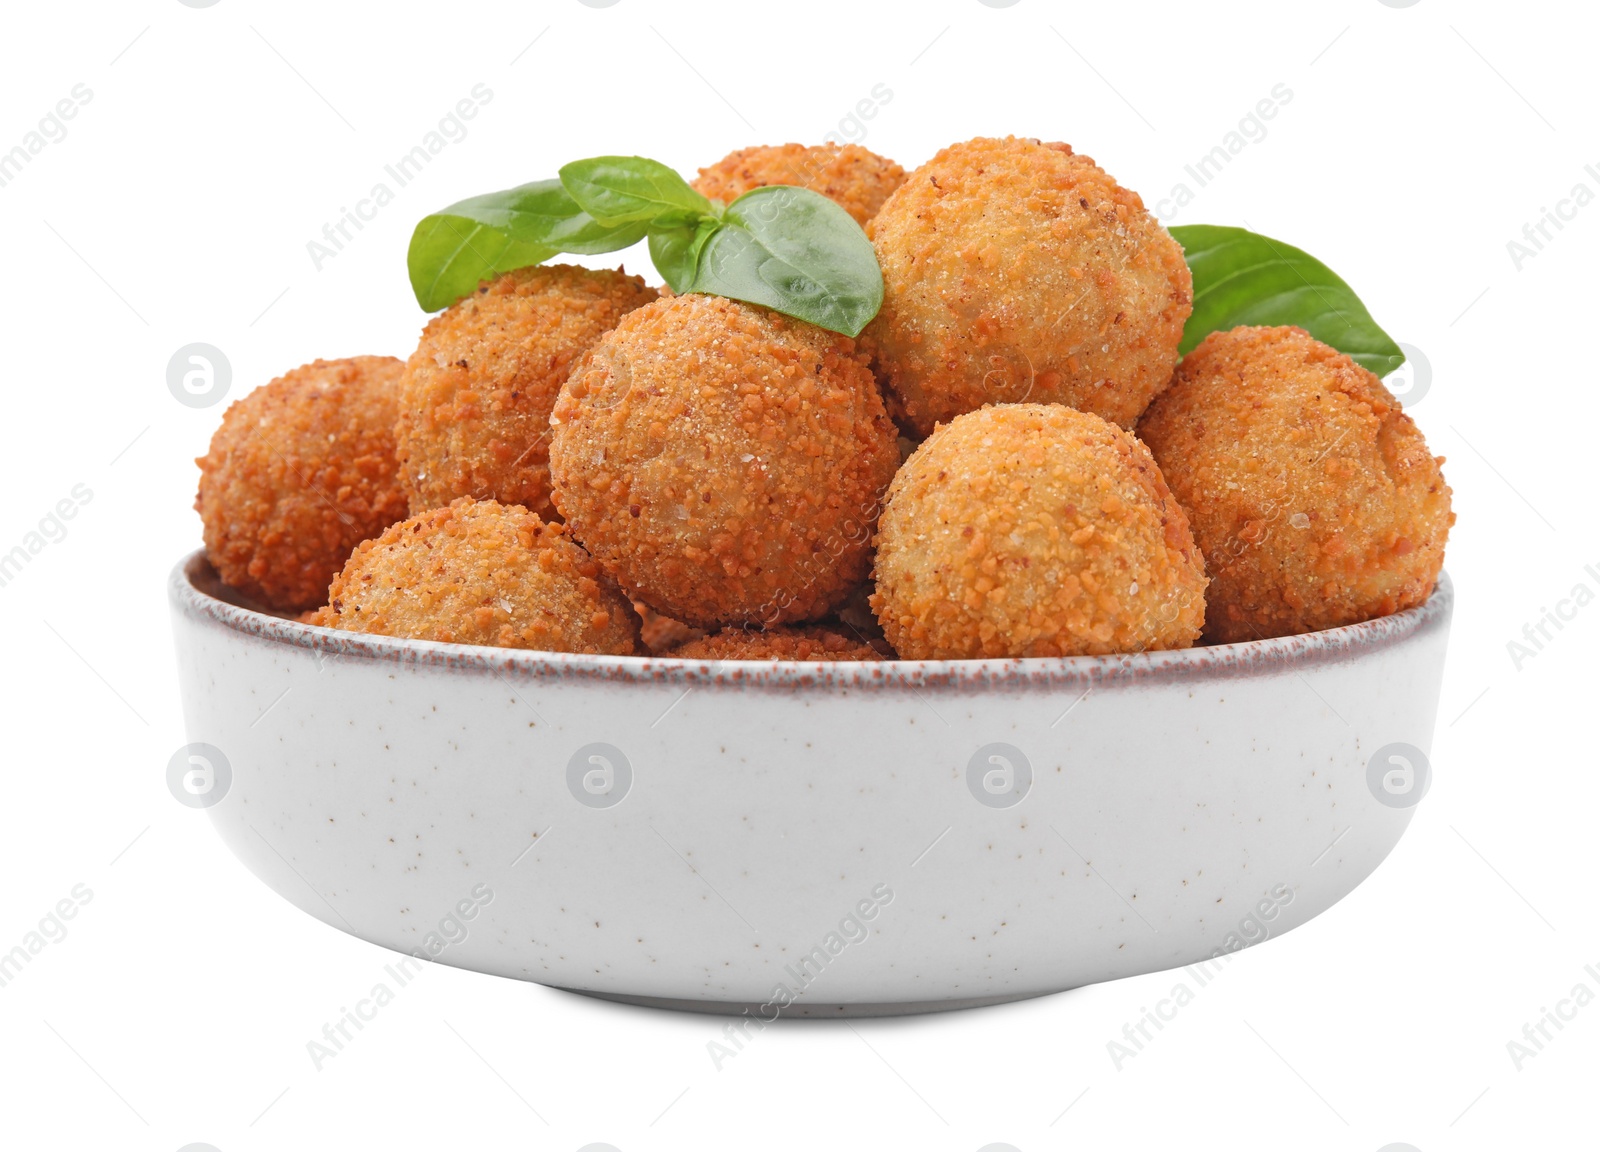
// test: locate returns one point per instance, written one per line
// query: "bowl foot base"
(805, 1011)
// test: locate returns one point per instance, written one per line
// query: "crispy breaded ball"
(478, 572)
(857, 180)
(1016, 271)
(300, 471)
(476, 396)
(724, 463)
(1034, 530)
(1312, 495)
(782, 643)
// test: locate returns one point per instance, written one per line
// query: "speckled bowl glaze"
(806, 839)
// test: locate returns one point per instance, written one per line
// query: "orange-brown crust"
(299, 472)
(725, 463)
(477, 392)
(1034, 530)
(857, 180)
(782, 643)
(1312, 495)
(478, 572)
(1016, 271)
(659, 633)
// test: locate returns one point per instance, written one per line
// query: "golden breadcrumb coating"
(782, 643)
(478, 572)
(1034, 530)
(724, 463)
(857, 180)
(1018, 271)
(300, 471)
(1312, 495)
(477, 392)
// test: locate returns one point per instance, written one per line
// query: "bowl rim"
(196, 593)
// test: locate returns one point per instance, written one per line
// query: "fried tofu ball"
(1016, 271)
(1034, 530)
(857, 180)
(781, 643)
(476, 397)
(300, 471)
(1312, 495)
(478, 572)
(724, 463)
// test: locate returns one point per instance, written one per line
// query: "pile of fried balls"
(1012, 460)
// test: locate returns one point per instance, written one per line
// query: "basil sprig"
(1242, 277)
(797, 252)
(788, 249)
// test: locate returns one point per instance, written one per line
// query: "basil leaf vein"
(482, 237)
(797, 252)
(1242, 277)
(628, 189)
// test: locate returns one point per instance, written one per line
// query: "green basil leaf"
(796, 252)
(482, 237)
(450, 255)
(676, 251)
(1242, 277)
(626, 189)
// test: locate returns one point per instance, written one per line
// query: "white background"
(217, 142)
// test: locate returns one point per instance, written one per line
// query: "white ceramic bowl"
(803, 839)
